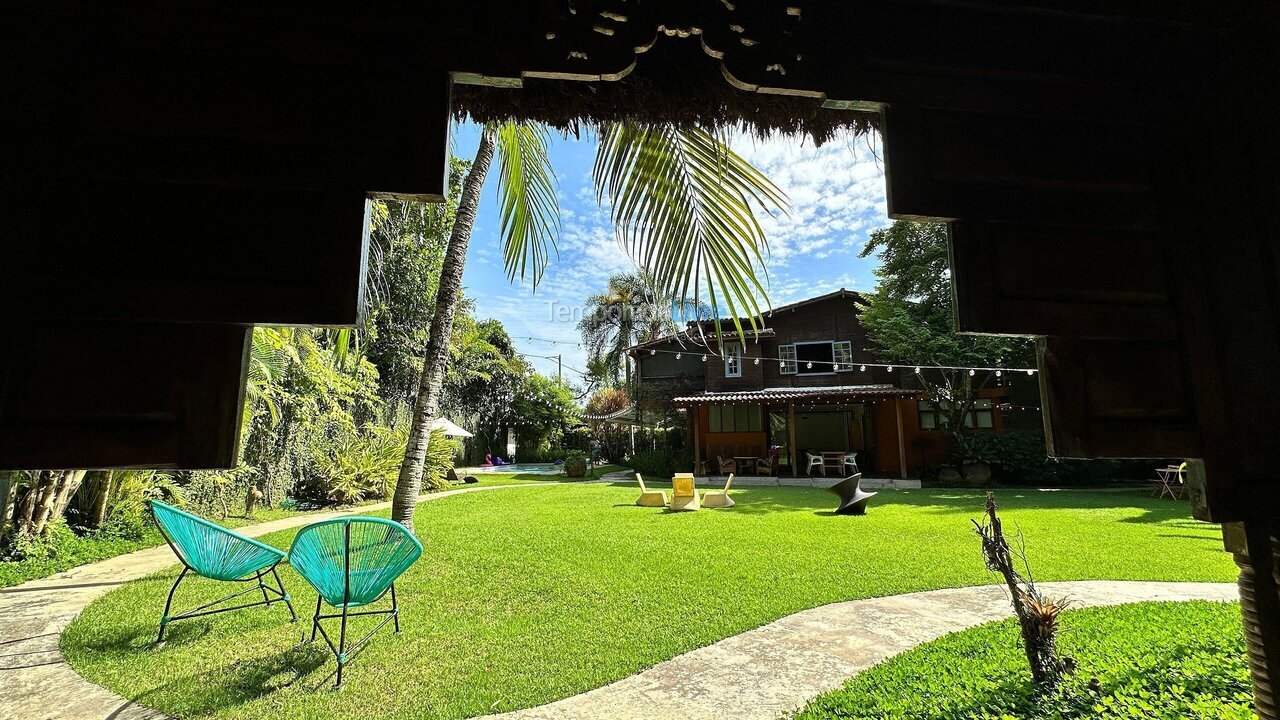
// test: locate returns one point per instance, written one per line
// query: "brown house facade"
(801, 385)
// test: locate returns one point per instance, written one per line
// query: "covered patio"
(780, 424)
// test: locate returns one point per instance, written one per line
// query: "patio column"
(695, 417)
(902, 444)
(791, 443)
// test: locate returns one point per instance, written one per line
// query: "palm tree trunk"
(436, 356)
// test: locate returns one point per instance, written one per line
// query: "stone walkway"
(36, 683)
(759, 674)
(764, 673)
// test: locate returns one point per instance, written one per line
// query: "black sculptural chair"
(853, 499)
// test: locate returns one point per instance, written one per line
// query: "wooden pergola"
(1111, 173)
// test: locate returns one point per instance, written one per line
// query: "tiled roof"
(806, 393)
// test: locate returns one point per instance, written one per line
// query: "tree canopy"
(910, 318)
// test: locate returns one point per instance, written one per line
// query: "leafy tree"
(910, 321)
(407, 242)
(544, 407)
(683, 205)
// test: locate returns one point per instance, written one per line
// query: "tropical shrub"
(575, 464)
(661, 463)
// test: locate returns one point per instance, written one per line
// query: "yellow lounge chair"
(684, 496)
(719, 498)
(650, 498)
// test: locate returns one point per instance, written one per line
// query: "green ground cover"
(533, 594)
(1174, 661)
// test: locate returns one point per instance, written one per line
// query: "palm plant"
(681, 200)
(631, 310)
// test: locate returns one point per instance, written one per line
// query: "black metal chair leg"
(395, 608)
(164, 619)
(284, 595)
(266, 599)
(315, 621)
(342, 645)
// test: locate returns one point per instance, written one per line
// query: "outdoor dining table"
(744, 461)
(833, 460)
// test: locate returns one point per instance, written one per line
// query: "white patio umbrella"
(449, 427)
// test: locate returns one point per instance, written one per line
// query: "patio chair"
(767, 465)
(684, 496)
(718, 498)
(214, 552)
(650, 498)
(813, 461)
(352, 563)
(851, 461)
(729, 466)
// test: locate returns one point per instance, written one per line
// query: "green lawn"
(1171, 661)
(532, 594)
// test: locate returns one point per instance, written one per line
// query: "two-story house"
(799, 384)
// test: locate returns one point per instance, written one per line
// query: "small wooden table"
(833, 461)
(853, 499)
(740, 461)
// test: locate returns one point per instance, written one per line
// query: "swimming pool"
(537, 468)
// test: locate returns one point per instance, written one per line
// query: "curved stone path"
(774, 669)
(759, 674)
(36, 683)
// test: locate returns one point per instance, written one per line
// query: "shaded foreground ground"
(531, 595)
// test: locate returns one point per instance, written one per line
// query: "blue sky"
(837, 199)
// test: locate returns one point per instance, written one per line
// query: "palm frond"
(683, 202)
(527, 199)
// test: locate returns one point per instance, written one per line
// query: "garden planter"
(575, 468)
(976, 474)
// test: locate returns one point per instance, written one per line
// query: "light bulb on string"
(998, 373)
(653, 352)
(757, 361)
(1031, 372)
(704, 358)
(808, 366)
(890, 368)
(917, 371)
(972, 372)
(863, 368)
(679, 355)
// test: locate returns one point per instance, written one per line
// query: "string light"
(890, 368)
(757, 361)
(653, 352)
(679, 355)
(972, 372)
(864, 368)
(917, 369)
(808, 366)
(704, 358)
(998, 373)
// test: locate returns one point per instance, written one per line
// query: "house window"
(981, 416)
(843, 353)
(815, 358)
(735, 418)
(787, 355)
(733, 361)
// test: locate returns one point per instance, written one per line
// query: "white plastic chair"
(814, 461)
(851, 460)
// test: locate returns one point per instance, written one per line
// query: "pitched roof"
(794, 393)
(763, 332)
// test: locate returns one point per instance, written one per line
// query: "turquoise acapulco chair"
(352, 563)
(214, 552)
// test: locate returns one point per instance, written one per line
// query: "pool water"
(539, 468)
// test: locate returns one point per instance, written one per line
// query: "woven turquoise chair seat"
(211, 550)
(353, 561)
